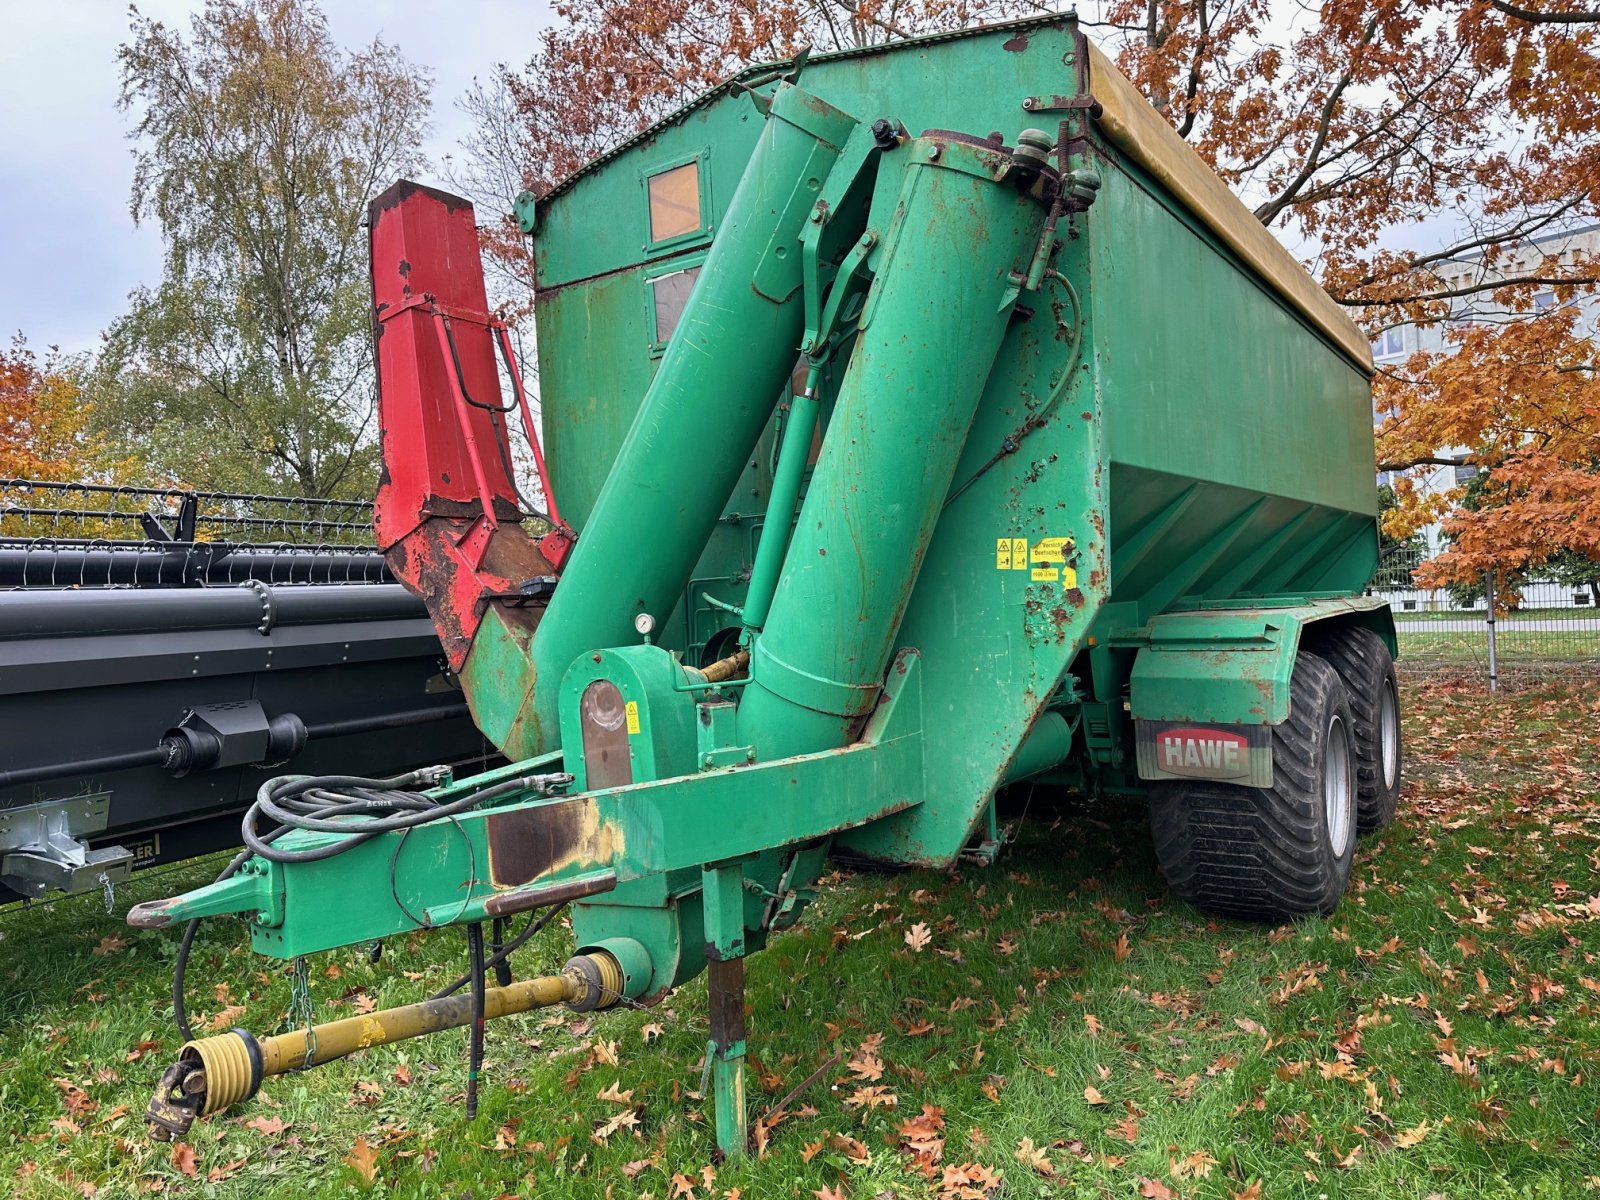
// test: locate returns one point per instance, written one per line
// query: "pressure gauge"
(645, 624)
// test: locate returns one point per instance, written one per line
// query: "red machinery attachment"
(449, 517)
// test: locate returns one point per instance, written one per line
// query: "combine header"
(154, 672)
(924, 420)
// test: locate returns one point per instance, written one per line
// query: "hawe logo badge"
(1203, 753)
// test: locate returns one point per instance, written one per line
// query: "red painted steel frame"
(448, 516)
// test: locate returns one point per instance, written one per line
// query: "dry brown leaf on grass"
(1461, 1064)
(1197, 1165)
(1092, 1095)
(227, 1018)
(849, 1147)
(1154, 1189)
(868, 1098)
(76, 1099)
(1183, 1089)
(139, 1051)
(363, 1159)
(866, 1066)
(626, 1119)
(1120, 949)
(1410, 1137)
(226, 1171)
(1032, 1157)
(1225, 1062)
(183, 1158)
(968, 1181)
(922, 1137)
(918, 936)
(269, 1126)
(614, 1094)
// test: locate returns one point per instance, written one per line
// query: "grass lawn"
(1066, 1030)
(1557, 648)
(1572, 613)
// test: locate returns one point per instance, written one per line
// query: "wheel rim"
(1336, 793)
(1389, 734)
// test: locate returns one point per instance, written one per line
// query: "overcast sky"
(71, 251)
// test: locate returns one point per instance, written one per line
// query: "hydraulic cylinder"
(967, 223)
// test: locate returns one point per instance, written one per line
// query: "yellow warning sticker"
(632, 710)
(1051, 550)
(1048, 559)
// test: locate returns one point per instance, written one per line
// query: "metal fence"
(56, 535)
(1551, 628)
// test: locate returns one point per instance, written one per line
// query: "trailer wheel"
(1270, 854)
(1363, 661)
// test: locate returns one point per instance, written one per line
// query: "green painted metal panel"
(1175, 458)
(1227, 666)
(589, 400)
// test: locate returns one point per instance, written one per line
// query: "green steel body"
(1062, 486)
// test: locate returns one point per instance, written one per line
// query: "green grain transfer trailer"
(922, 418)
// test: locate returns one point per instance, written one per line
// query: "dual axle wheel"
(1271, 854)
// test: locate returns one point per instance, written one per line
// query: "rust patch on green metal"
(532, 843)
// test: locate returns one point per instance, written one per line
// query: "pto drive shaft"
(213, 1073)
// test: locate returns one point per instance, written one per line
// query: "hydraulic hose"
(500, 957)
(475, 1033)
(310, 802)
(315, 804)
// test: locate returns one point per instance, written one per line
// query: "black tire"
(1363, 661)
(1270, 854)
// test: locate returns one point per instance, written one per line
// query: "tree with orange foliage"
(1351, 128)
(44, 419)
(1365, 125)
